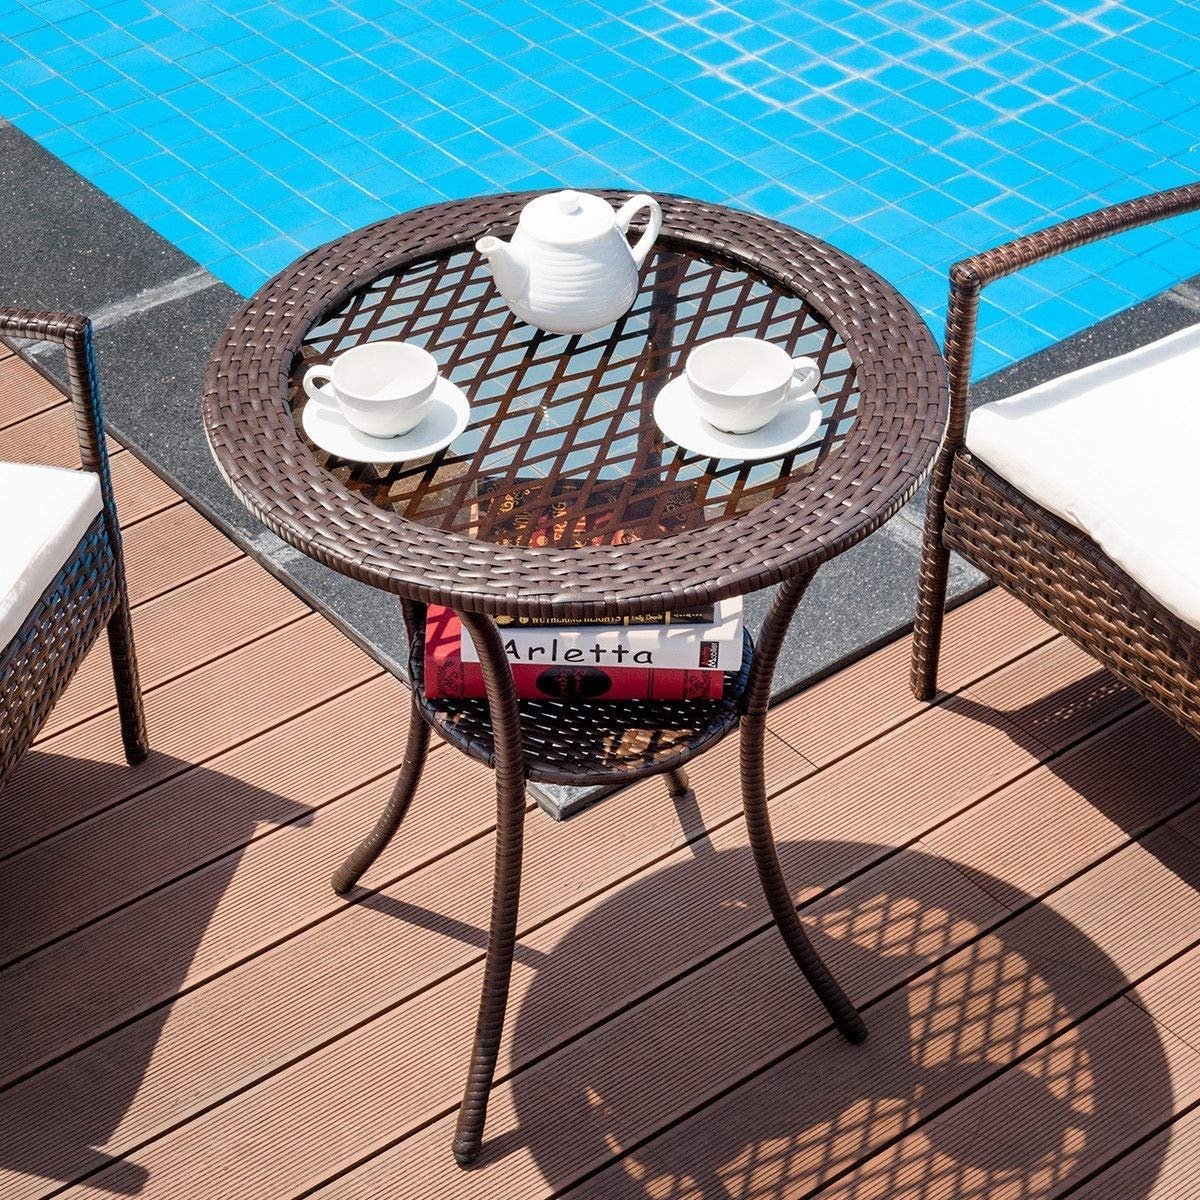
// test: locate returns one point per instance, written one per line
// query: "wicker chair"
(1118, 612)
(62, 575)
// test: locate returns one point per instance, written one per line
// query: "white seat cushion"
(44, 511)
(1114, 450)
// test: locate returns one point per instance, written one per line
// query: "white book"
(716, 645)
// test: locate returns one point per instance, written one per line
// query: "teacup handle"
(625, 215)
(807, 374)
(313, 387)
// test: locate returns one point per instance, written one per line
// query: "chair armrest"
(969, 277)
(74, 333)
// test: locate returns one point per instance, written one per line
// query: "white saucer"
(444, 419)
(675, 414)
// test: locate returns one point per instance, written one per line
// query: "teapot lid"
(565, 217)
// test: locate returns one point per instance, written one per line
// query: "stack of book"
(681, 655)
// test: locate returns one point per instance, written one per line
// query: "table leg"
(506, 891)
(678, 784)
(372, 846)
(758, 822)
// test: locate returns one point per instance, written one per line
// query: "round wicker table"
(562, 435)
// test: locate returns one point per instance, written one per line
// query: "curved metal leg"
(372, 846)
(758, 822)
(677, 783)
(961, 313)
(506, 891)
(931, 586)
(128, 684)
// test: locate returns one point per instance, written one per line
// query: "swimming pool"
(908, 133)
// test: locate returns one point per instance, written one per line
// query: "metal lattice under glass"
(562, 447)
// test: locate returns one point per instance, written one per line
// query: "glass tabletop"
(562, 448)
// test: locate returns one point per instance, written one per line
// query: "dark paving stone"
(860, 598)
(153, 369)
(67, 245)
(64, 244)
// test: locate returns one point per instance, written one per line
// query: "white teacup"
(740, 383)
(382, 388)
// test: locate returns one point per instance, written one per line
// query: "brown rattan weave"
(1045, 562)
(586, 744)
(88, 594)
(1061, 573)
(611, 519)
(41, 659)
(861, 474)
(567, 424)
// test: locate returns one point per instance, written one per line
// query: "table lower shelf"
(585, 744)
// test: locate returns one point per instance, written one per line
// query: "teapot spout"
(510, 268)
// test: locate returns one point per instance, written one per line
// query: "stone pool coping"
(157, 315)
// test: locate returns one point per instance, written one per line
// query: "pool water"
(907, 132)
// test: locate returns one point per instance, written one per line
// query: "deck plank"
(171, 547)
(248, 841)
(191, 719)
(1165, 1168)
(1075, 695)
(382, 1112)
(688, 1058)
(436, 1006)
(188, 1010)
(574, 860)
(998, 997)
(46, 434)
(24, 392)
(1149, 766)
(1066, 1119)
(222, 610)
(361, 960)
(139, 492)
(866, 699)
(47, 437)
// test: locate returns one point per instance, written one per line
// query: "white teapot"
(569, 267)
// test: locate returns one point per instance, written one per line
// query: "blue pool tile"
(905, 129)
(971, 192)
(934, 61)
(24, 19)
(1055, 313)
(181, 229)
(26, 71)
(118, 95)
(461, 182)
(853, 202)
(936, 248)
(65, 143)
(973, 81)
(1160, 69)
(41, 39)
(117, 182)
(31, 121)
(320, 231)
(975, 229)
(238, 272)
(275, 254)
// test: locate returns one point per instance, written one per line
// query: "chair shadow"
(53, 1119)
(1115, 785)
(970, 1019)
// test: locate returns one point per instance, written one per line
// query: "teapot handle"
(625, 215)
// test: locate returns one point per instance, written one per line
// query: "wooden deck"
(1006, 881)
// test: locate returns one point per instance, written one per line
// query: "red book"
(447, 677)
